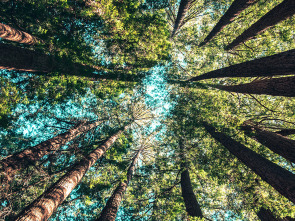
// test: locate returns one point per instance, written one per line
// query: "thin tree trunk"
(111, 208)
(44, 206)
(278, 64)
(279, 144)
(281, 12)
(279, 178)
(183, 8)
(23, 159)
(275, 86)
(286, 132)
(266, 215)
(12, 34)
(191, 204)
(21, 59)
(234, 10)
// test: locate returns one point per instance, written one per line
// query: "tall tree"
(280, 179)
(275, 86)
(21, 59)
(275, 142)
(281, 12)
(12, 34)
(23, 159)
(111, 208)
(183, 9)
(191, 204)
(43, 207)
(234, 10)
(278, 64)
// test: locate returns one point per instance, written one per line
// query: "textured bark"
(12, 34)
(21, 59)
(279, 178)
(281, 12)
(275, 86)
(183, 8)
(234, 10)
(279, 144)
(23, 159)
(43, 207)
(111, 208)
(286, 132)
(191, 204)
(278, 64)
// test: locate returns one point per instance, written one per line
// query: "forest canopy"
(147, 110)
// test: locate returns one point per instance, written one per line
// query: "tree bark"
(278, 64)
(279, 178)
(279, 144)
(111, 208)
(267, 215)
(12, 34)
(191, 204)
(23, 159)
(44, 206)
(286, 132)
(183, 8)
(275, 86)
(281, 12)
(234, 10)
(21, 59)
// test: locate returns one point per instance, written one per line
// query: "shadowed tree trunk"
(111, 208)
(234, 10)
(183, 9)
(279, 144)
(279, 178)
(267, 215)
(43, 207)
(12, 34)
(281, 12)
(21, 59)
(278, 64)
(191, 204)
(275, 86)
(286, 132)
(23, 159)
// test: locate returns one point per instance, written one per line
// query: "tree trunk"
(111, 208)
(286, 132)
(279, 144)
(43, 207)
(279, 178)
(191, 204)
(234, 10)
(183, 8)
(266, 215)
(281, 12)
(275, 86)
(23, 159)
(21, 59)
(11, 34)
(278, 64)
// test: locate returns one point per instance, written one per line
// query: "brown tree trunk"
(278, 64)
(23, 159)
(43, 207)
(286, 132)
(191, 204)
(281, 12)
(266, 215)
(279, 144)
(183, 8)
(111, 208)
(11, 34)
(279, 178)
(234, 10)
(275, 86)
(21, 59)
